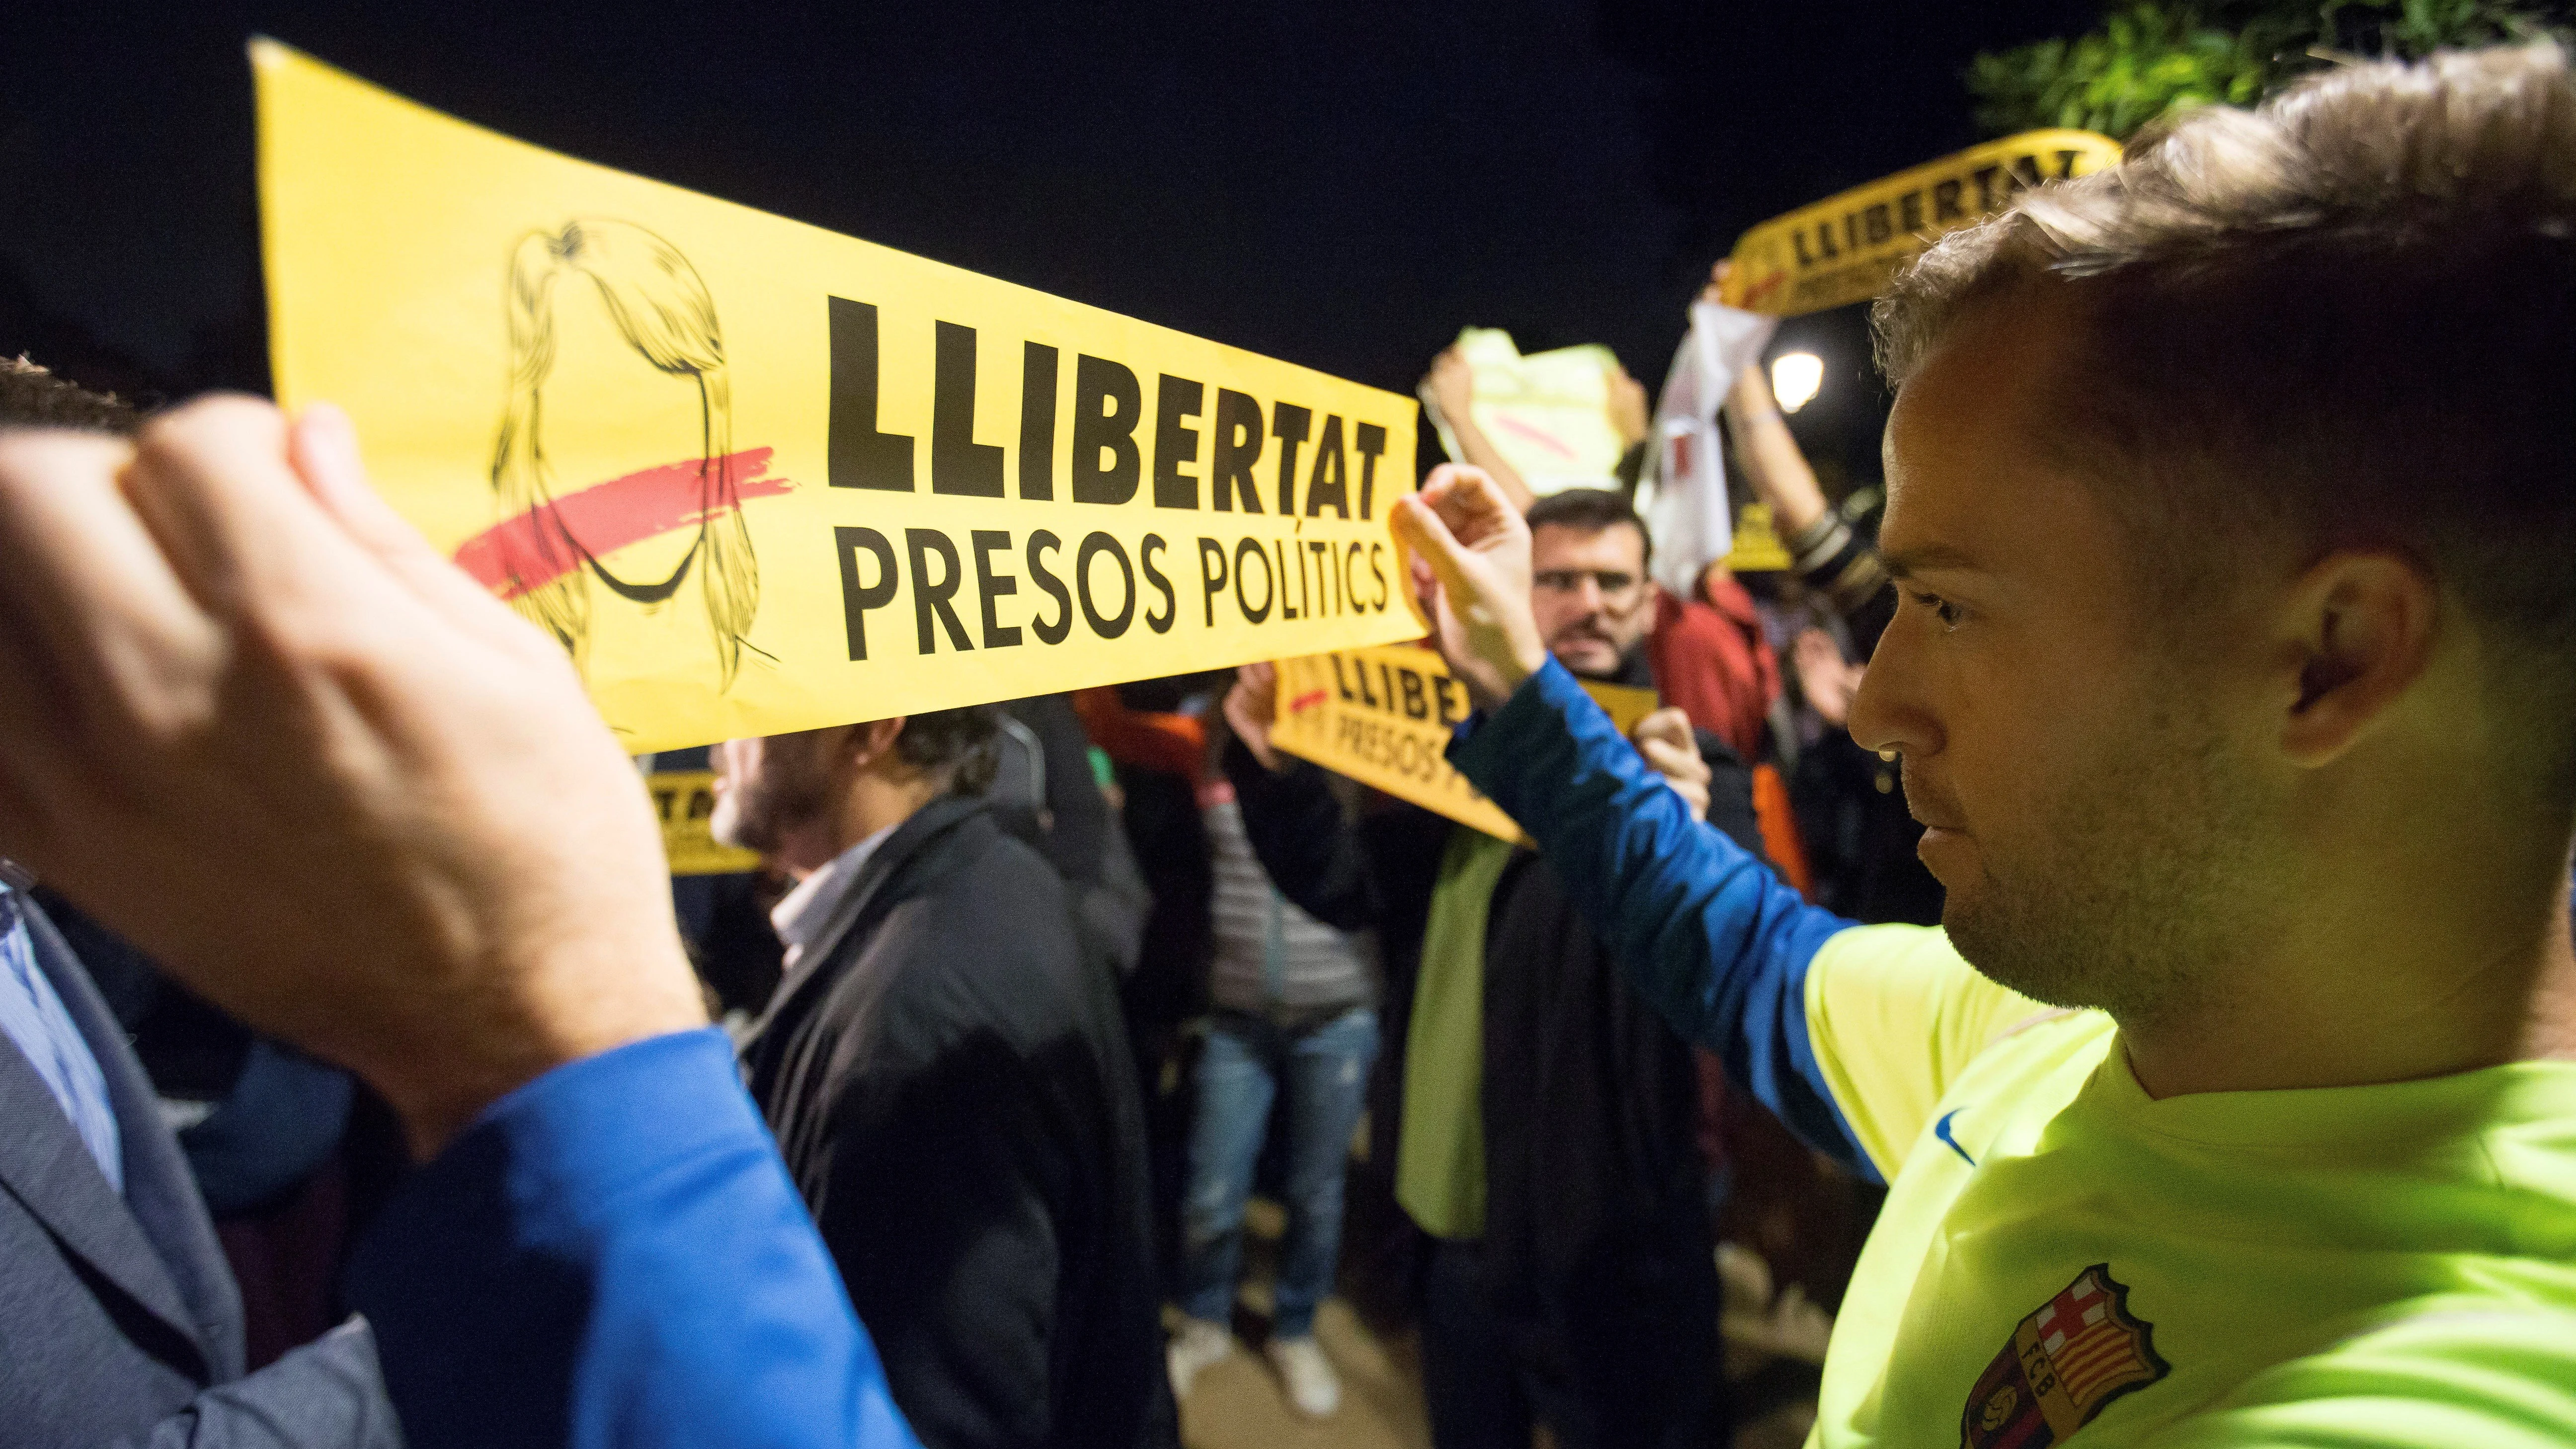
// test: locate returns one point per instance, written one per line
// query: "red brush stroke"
(507, 557)
(1307, 701)
(1548, 441)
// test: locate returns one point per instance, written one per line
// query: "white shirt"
(802, 913)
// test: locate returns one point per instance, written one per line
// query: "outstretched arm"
(613, 1255)
(1707, 933)
(1827, 555)
(1715, 941)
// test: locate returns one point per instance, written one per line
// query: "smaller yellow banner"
(1757, 547)
(687, 801)
(1843, 249)
(1383, 717)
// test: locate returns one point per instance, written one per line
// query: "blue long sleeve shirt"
(613, 1255)
(1716, 942)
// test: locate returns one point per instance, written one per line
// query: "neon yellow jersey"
(2061, 1259)
(2357, 1266)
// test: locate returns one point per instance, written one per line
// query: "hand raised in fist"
(1471, 572)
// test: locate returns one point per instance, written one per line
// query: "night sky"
(1342, 185)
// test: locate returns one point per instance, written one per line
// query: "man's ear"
(2359, 626)
(872, 741)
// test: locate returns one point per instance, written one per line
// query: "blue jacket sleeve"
(1715, 941)
(613, 1256)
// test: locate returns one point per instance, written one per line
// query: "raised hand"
(1827, 681)
(1250, 705)
(1452, 384)
(253, 721)
(1665, 739)
(1471, 570)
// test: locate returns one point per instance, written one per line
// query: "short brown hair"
(963, 745)
(1590, 510)
(2349, 314)
(32, 397)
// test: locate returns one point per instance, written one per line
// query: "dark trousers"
(1620, 1369)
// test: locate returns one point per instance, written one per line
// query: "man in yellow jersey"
(2233, 503)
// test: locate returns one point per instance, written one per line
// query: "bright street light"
(1795, 376)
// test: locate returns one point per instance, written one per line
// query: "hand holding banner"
(757, 477)
(1547, 413)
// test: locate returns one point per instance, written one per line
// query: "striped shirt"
(1271, 957)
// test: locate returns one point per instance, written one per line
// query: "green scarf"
(1440, 1157)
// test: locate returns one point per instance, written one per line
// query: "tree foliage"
(2149, 56)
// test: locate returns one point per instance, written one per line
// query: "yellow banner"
(1384, 717)
(687, 801)
(758, 477)
(1845, 248)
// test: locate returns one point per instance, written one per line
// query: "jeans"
(1325, 1068)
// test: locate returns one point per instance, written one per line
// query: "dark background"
(1340, 184)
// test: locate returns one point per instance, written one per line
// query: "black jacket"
(119, 1320)
(950, 1084)
(1597, 1237)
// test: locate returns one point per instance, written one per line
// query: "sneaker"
(1312, 1386)
(1200, 1344)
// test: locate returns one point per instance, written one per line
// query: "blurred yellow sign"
(1548, 413)
(1384, 716)
(1757, 547)
(1845, 248)
(757, 477)
(687, 802)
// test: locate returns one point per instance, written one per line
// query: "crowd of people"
(2143, 852)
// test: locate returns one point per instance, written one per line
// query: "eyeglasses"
(1615, 587)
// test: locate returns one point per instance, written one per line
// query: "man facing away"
(949, 1082)
(2232, 498)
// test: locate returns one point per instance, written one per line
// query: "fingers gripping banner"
(1384, 717)
(757, 477)
(1843, 249)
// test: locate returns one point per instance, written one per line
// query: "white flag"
(1682, 493)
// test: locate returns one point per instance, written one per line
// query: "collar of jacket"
(155, 1243)
(881, 884)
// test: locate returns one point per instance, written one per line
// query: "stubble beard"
(2133, 898)
(788, 791)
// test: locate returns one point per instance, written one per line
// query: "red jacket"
(1711, 661)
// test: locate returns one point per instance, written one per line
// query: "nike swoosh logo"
(1941, 1129)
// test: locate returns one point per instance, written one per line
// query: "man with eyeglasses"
(1548, 1125)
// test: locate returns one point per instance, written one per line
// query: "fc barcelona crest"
(2064, 1363)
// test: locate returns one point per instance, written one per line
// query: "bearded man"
(2232, 498)
(949, 1082)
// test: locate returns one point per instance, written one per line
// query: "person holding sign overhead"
(2231, 495)
(1548, 1139)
